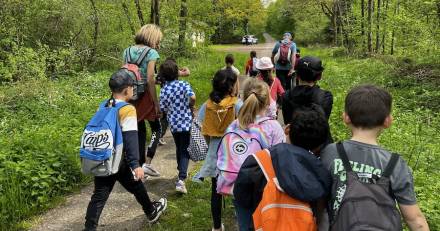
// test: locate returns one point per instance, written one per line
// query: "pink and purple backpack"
(235, 146)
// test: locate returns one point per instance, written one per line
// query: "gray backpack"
(367, 206)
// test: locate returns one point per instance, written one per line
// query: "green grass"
(414, 135)
(42, 122)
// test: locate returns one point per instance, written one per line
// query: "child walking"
(282, 201)
(265, 66)
(251, 69)
(177, 100)
(121, 86)
(367, 114)
(229, 61)
(252, 123)
(216, 114)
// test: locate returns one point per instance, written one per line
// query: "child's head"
(253, 54)
(229, 59)
(149, 35)
(223, 84)
(308, 128)
(256, 100)
(264, 66)
(309, 69)
(168, 70)
(368, 107)
(121, 84)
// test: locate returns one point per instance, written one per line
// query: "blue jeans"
(244, 218)
(182, 142)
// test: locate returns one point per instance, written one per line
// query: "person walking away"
(216, 114)
(251, 69)
(177, 100)
(281, 185)
(251, 132)
(147, 106)
(283, 57)
(130, 173)
(309, 72)
(229, 61)
(264, 66)
(363, 172)
(183, 72)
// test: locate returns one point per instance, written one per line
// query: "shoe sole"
(159, 213)
(181, 191)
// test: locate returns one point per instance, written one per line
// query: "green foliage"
(281, 18)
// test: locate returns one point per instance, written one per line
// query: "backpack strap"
(128, 55)
(142, 56)
(391, 165)
(343, 154)
(265, 162)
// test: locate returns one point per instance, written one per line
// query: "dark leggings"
(142, 135)
(103, 188)
(163, 125)
(216, 205)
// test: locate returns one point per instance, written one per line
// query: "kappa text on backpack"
(101, 142)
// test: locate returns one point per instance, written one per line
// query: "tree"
(139, 12)
(182, 24)
(155, 12)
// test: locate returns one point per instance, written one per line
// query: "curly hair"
(309, 128)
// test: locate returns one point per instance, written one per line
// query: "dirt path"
(121, 211)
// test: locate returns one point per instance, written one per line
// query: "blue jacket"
(300, 174)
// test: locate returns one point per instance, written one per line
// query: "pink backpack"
(133, 68)
(235, 146)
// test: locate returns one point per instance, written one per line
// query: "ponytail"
(256, 100)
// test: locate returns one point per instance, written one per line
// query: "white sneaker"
(149, 170)
(162, 141)
(180, 187)
(221, 228)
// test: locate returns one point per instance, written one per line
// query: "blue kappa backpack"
(101, 142)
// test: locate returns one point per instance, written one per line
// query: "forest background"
(52, 53)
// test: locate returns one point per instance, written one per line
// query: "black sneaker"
(159, 207)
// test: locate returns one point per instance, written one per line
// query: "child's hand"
(184, 71)
(138, 173)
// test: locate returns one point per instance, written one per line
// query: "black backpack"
(367, 206)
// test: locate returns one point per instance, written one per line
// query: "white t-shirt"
(234, 69)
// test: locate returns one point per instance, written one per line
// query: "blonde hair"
(256, 99)
(149, 35)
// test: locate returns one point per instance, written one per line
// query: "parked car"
(249, 40)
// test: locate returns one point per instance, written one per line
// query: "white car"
(249, 40)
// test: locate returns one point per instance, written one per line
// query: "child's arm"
(184, 71)
(414, 217)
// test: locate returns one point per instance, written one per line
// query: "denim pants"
(182, 156)
(103, 188)
(244, 218)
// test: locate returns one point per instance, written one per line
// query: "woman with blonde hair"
(144, 52)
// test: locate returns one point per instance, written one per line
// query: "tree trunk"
(127, 13)
(363, 23)
(385, 25)
(155, 12)
(438, 11)
(182, 24)
(378, 27)
(393, 36)
(370, 30)
(139, 12)
(95, 32)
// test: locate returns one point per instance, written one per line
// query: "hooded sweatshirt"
(300, 174)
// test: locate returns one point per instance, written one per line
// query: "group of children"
(296, 179)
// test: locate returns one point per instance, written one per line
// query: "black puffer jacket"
(300, 174)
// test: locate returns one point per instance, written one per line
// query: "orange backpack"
(278, 211)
